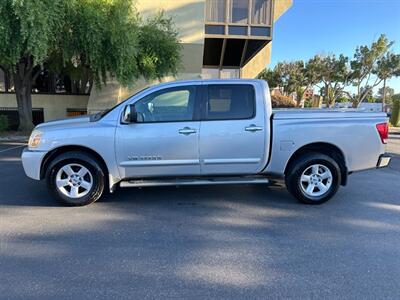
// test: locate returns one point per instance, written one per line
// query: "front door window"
(170, 105)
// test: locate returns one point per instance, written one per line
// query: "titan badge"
(144, 157)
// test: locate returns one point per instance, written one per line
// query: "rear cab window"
(229, 102)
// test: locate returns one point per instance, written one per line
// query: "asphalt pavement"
(202, 242)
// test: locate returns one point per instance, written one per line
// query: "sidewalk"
(393, 145)
(13, 136)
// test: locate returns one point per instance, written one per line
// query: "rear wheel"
(75, 178)
(313, 178)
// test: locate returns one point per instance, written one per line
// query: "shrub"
(395, 118)
(280, 101)
(3, 123)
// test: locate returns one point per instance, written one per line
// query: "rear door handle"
(253, 128)
(187, 130)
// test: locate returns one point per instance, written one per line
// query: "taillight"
(383, 130)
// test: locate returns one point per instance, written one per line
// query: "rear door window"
(230, 102)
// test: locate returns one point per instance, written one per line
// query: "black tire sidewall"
(84, 160)
(294, 175)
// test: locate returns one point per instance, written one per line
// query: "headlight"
(34, 139)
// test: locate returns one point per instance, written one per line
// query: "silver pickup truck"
(204, 132)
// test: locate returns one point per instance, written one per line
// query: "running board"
(195, 181)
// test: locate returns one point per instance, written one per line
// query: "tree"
(396, 97)
(272, 77)
(290, 74)
(293, 78)
(369, 68)
(387, 67)
(28, 29)
(100, 38)
(385, 93)
(330, 74)
(369, 96)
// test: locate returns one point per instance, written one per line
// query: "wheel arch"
(49, 157)
(325, 148)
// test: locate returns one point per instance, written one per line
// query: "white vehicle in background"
(204, 132)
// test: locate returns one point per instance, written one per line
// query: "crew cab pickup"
(205, 132)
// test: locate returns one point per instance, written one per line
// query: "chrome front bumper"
(32, 161)
(383, 161)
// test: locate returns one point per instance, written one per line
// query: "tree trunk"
(384, 95)
(331, 101)
(298, 100)
(23, 91)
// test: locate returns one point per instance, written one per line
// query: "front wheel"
(313, 178)
(75, 178)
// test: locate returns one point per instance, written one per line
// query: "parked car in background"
(205, 132)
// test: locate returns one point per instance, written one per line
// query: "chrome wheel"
(74, 180)
(316, 180)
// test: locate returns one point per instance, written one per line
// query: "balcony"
(235, 30)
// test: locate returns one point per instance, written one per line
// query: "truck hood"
(74, 121)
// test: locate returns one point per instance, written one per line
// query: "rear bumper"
(32, 161)
(383, 161)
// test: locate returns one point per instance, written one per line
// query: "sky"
(312, 27)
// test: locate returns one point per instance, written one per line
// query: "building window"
(6, 83)
(239, 11)
(215, 11)
(50, 82)
(260, 31)
(261, 12)
(13, 118)
(238, 30)
(215, 29)
(2, 81)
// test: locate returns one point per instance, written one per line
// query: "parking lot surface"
(202, 242)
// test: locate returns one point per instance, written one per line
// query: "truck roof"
(209, 81)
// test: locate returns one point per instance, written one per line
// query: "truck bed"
(352, 132)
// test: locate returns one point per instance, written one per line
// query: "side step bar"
(194, 181)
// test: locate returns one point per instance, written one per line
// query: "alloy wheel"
(74, 180)
(316, 180)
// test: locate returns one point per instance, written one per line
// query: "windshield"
(101, 114)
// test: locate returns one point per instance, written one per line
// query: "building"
(220, 39)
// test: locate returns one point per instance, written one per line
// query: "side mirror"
(130, 114)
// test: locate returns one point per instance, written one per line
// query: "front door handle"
(187, 130)
(253, 128)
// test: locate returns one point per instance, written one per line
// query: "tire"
(313, 178)
(75, 178)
